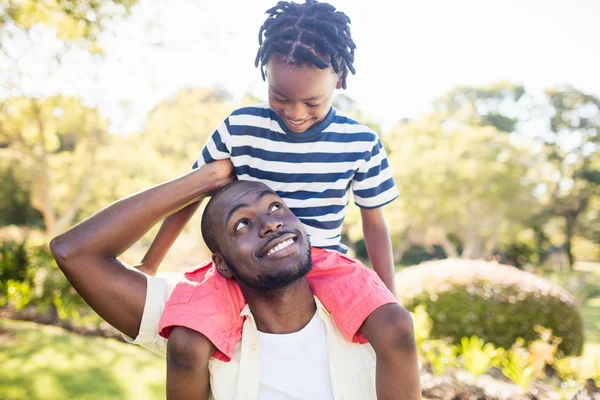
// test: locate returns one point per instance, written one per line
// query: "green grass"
(591, 318)
(40, 362)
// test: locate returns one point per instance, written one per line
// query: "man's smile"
(282, 245)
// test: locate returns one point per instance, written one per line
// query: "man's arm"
(379, 245)
(188, 353)
(87, 253)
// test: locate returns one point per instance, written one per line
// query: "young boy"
(311, 155)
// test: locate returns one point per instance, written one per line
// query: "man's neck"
(283, 311)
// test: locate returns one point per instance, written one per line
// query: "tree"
(57, 139)
(468, 182)
(571, 169)
(178, 127)
(76, 21)
(498, 104)
(15, 193)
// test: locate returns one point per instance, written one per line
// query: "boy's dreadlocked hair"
(303, 33)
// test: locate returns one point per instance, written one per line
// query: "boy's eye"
(242, 223)
(313, 105)
(274, 207)
(279, 100)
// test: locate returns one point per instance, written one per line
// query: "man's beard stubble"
(276, 280)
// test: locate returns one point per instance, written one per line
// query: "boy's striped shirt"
(311, 171)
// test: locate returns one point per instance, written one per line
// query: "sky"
(408, 53)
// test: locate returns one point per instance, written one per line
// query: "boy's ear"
(340, 81)
(221, 266)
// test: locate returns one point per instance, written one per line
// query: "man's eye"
(241, 224)
(274, 207)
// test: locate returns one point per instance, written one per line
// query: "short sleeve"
(373, 185)
(216, 148)
(158, 291)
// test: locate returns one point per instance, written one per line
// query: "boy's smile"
(300, 95)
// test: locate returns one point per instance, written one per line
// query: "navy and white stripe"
(312, 171)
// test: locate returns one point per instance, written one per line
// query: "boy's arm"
(379, 245)
(87, 253)
(188, 353)
(168, 233)
(215, 149)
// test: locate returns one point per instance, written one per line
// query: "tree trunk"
(399, 251)
(44, 203)
(569, 225)
(449, 247)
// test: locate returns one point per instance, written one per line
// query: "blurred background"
(490, 115)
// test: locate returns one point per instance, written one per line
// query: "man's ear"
(221, 266)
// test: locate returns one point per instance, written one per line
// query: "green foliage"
(523, 363)
(15, 194)
(440, 355)
(456, 181)
(490, 105)
(496, 303)
(33, 279)
(422, 325)
(568, 368)
(178, 127)
(75, 20)
(13, 261)
(571, 159)
(515, 366)
(477, 357)
(57, 141)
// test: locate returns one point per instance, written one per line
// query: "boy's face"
(300, 95)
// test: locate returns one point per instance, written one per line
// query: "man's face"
(262, 244)
(300, 95)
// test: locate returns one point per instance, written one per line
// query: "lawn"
(40, 362)
(591, 318)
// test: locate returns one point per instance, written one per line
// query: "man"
(248, 222)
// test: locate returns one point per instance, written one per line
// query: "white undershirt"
(295, 365)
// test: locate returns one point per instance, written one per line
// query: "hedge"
(495, 302)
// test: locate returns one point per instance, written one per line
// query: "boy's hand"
(148, 270)
(221, 172)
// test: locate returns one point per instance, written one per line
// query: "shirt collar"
(320, 308)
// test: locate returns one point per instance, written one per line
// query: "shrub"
(516, 365)
(439, 355)
(477, 357)
(495, 302)
(29, 277)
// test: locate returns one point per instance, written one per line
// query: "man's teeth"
(280, 246)
(296, 122)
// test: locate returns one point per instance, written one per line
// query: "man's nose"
(269, 225)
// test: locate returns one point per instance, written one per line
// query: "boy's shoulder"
(257, 110)
(343, 123)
